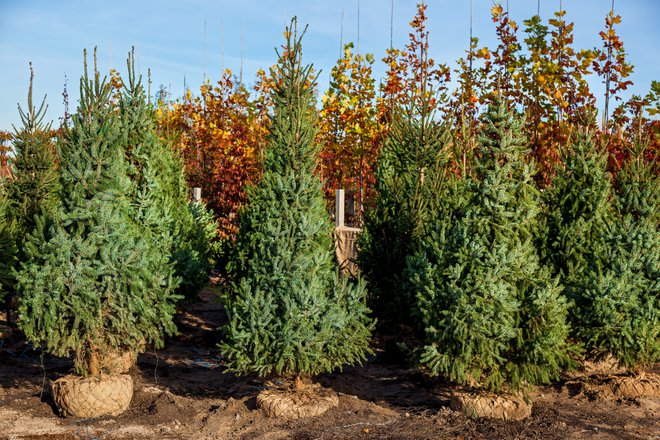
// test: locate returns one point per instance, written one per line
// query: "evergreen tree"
(580, 209)
(91, 285)
(159, 191)
(34, 187)
(493, 315)
(289, 311)
(608, 250)
(409, 178)
(196, 244)
(8, 251)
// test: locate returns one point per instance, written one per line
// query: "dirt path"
(181, 392)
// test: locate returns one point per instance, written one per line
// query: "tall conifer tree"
(8, 258)
(159, 192)
(493, 315)
(91, 285)
(289, 311)
(33, 189)
(409, 173)
(606, 245)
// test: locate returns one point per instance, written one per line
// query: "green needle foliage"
(290, 313)
(606, 244)
(580, 209)
(159, 193)
(494, 316)
(409, 180)
(33, 189)
(8, 260)
(93, 284)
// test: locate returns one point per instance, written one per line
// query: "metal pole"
(470, 45)
(391, 24)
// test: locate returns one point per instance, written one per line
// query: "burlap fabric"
(493, 406)
(90, 397)
(288, 404)
(631, 387)
(346, 249)
(118, 362)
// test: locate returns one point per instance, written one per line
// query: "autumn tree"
(500, 67)
(8, 260)
(555, 89)
(348, 129)
(5, 170)
(464, 107)
(219, 134)
(406, 69)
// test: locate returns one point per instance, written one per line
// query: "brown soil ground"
(182, 392)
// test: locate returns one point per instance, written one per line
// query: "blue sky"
(169, 37)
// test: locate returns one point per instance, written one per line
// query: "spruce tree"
(33, 189)
(159, 192)
(493, 315)
(289, 311)
(91, 285)
(196, 242)
(8, 250)
(607, 247)
(579, 210)
(409, 179)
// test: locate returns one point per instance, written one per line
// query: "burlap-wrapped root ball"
(631, 387)
(117, 362)
(90, 397)
(493, 406)
(288, 404)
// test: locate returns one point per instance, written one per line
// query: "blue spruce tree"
(92, 284)
(605, 244)
(493, 315)
(290, 313)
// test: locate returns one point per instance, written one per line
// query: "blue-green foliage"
(409, 179)
(8, 250)
(159, 193)
(34, 186)
(605, 244)
(94, 282)
(289, 311)
(30, 192)
(493, 315)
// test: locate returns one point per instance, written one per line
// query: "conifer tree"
(159, 192)
(625, 291)
(493, 315)
(409, 178)
(289, 311)
(33, 189)
(409, 172)
(607, 246)
(8, 258)
(91, 285)
(580, 210)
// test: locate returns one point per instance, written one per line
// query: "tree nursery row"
(507, 234)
